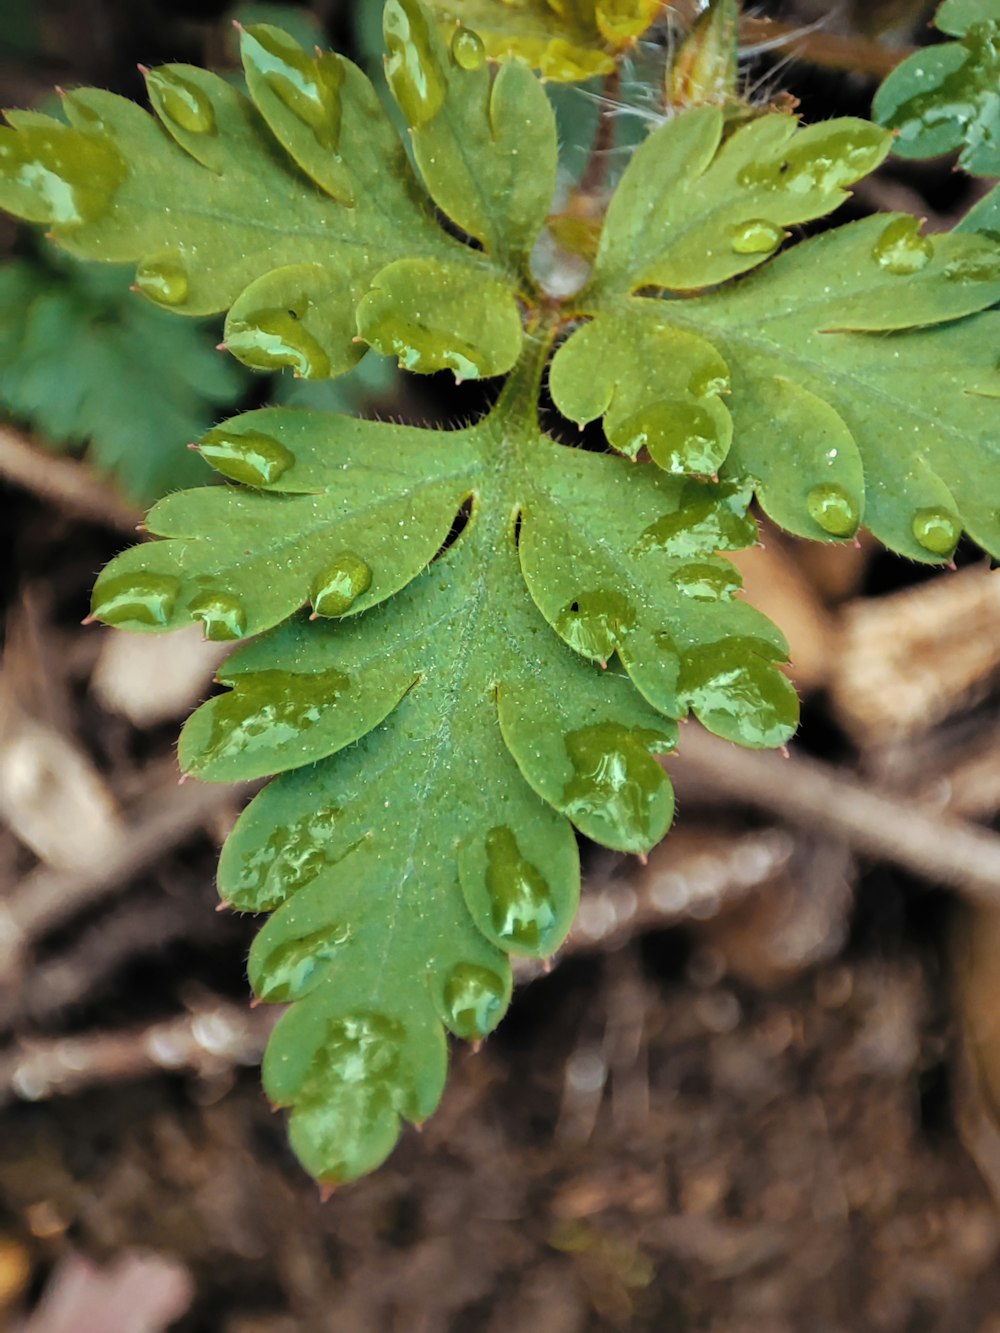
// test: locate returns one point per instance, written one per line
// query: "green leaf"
(830, 423)
(504, 631)
(984, 216)
(420, 313)
(945, 98)
(657, 386)
(285, 208)
(619, 560)
(692, 211)
(86, 362)
(347, 512)
(486, 149)
(442, 742)
(564, 42)
(297, 21)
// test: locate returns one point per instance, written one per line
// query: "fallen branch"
(67, 484)
(48, 898)
(205, 1043)
(814, 796)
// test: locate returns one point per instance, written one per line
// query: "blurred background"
(758, 1089)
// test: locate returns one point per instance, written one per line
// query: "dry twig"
(68, 485)
(46, 898)
(816, 797)
(208, 1042)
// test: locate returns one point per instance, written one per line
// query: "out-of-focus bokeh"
(760, 1087)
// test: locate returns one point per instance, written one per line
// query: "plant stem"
(592, 182)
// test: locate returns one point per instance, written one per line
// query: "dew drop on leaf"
(680, 437)
(709, 382)
(310, 88)
(619, 784)
(705, 582)
(339, 586)
(467, 49)
(901, 249)
(826, 162)
(268, 710)
(251, 457)
(756, 237)
(474, 1000)
(981, 267)
(222, 616)
(595, 623)
(74, 175)
(937, 531)
(142, 599)
(291, 969)
(345, 1117)
(290, 858)
(706, 520)
(411, 67)
(163, 280)
(178, 100)
(521, 906)
(739, 695)
(275, 340)
(833, 509)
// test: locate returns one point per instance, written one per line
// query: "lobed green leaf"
(847, 399)
(946, 98)
(486, 148)
(283, 209)
(692, 211)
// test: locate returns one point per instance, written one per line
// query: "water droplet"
(345, 1120)
(522, 910)
(339, 586)
(738, 693)
(833, 510)
(595, 623)
(276, 339)
(251, 457)
(824, 162)
(474, 1001)
(73, 175)
(178, 100)
(707, 582)
(164, 280)
(411, 67)
(680, 437)
(618, 784)
(937, 531)
(285, 862)
(310, 88)
(710, 382)
(708, 518)
(467, 49)
(143, 599)
(292, 969)
(421, 348)
(901, 249)
(981, 266)
(222, 616)
(270, 709)
(756, 237)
